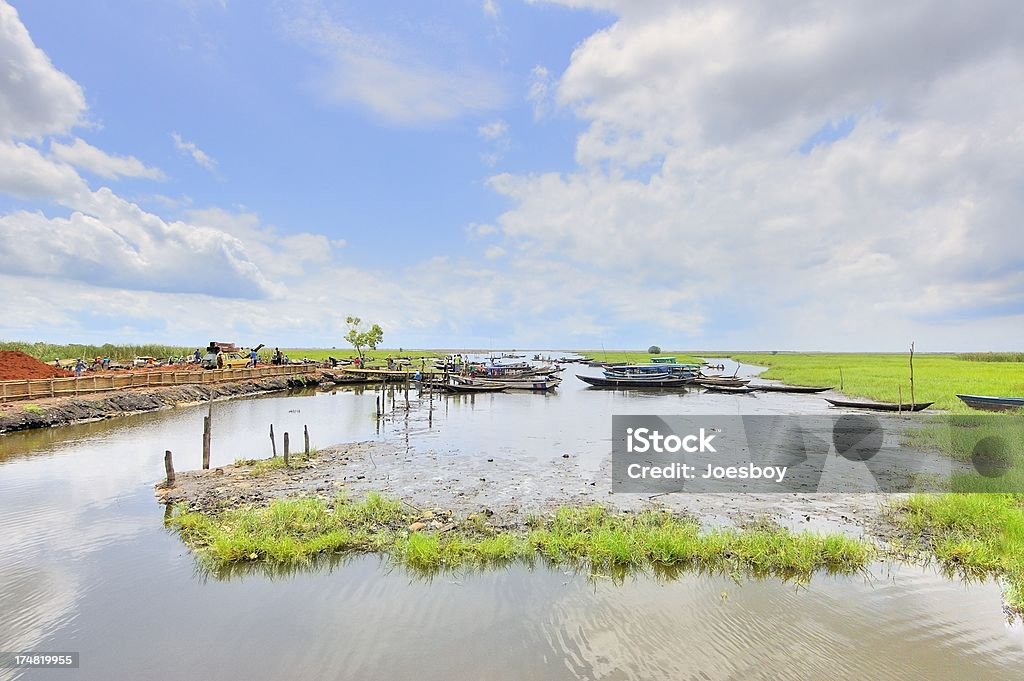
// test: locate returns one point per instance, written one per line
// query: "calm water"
(85, 565)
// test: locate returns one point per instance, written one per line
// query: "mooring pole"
(273, 443)
(912, 401)
(206, 443)
(286, 448)
(169, 468)
(305, 434)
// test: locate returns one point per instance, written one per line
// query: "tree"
(653, 350)
(360, 339)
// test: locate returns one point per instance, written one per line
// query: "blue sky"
(488, 173)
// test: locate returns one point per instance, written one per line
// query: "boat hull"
(879, 406)
(602, 382)
(773, 388)
(992, 403)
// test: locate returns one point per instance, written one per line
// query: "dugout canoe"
(879, 406)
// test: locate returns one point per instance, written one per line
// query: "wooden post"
(840, 379)
(378, 408)
(900, 391)
(305, 435)
(286, 448)
(206, 443)
(912, 401)
(169, 468)
(407, 393)
(273, 443)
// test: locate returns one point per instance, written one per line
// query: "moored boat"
(726, 381)
(730, 389)
(879, 406)
(992, 403)
(609, 382)
(779, 388)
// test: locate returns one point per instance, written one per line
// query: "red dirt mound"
(17, 366)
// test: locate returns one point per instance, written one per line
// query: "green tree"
(654, 350)
(360, 339)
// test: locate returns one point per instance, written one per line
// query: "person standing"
(252, 358)
(79, 367)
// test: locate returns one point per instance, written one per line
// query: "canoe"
(604, 382)
(879, 406)
(541, 383)
(727, 381)
(991, 403)
(475, 388)
(729, 389)
(777, 388)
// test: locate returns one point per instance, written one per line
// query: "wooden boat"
(606, 382)
(879, 406)
(727, 381)
(475, 387)
(779, 388)
(991, 403)
(538, 383)
(730, 389)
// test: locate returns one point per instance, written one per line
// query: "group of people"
(80, 365)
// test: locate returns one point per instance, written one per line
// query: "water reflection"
(86, 564)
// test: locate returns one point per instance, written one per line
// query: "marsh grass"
(886, 377)
(258, 467)
(296, 532)
(973, 535)
(32, 408)
(48, 352)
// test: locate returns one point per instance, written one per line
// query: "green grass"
(295, 532)
(972, 535)
(992, 356)
(259, 467)
(32, 408)
(637, 356)
(937, 378)
(48, 352)
(379, 356)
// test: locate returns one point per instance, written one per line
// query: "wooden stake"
(840, 379)
(912, 401)
(206, 443)
(169, 468)
(305, 434)
(900, 387)
(286, 448)
(273, 443)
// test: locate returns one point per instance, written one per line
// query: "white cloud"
(35, 98)
(491, 9)
(83, 155)
(378, 73)
(539, 92)
(689, 170)
(27, 174)
(496, 133)
(114, 243)
(197, 154)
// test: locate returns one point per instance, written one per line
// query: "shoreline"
(64, 411)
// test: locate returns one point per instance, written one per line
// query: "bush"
(653, 350)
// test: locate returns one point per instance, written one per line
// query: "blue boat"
(989, 403)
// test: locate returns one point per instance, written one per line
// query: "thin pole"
(169, 468)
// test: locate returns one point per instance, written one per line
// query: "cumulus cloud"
(35, 97)
(690, 165)
(382, 75)
(116, 244)
(83, 155)
(191, 149)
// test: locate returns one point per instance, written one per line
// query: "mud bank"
(506, 491)
(65, 411)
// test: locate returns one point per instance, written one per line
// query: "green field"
(937, 378)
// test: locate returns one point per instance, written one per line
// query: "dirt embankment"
(65, 411)
(17, 366)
